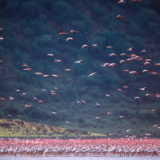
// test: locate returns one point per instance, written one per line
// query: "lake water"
(79, 158)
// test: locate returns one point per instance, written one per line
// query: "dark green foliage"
(69, 92)
(147, 115)
(36, 114)
(74, 98)
(79, 69)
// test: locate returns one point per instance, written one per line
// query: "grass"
(19, 128)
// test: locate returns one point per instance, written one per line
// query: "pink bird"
(146, 63)
(157, 95)
(67, 69)
(11, 98)
(69, 39)
(136, 0)
(50, 55)
(61, 32)
(45, 75)
(120, 1)
(130, 49)
(73, 31)
(125, 87)
(133, 72)
(105, 64)
(24, 65)
(112, 55)
(142, 89)
(148, 60)
(27, 105)
(57, 60)
(108, 113)
(157, 64)
(112, 64)
(40, 101)
(97, 104)
(119, 89)
(122, 61)
(54, 75)
(123, 54)
(109, 47)
(143, 51)
(154, 73)
(85, 46)
(119, 17)
(147, 94)
(27, 69)
(126, 70)
(136, 97)
(145, 70)
(92, 74)
(94, 44)
(38, 73)
(79, 61)
(107, 95)
(2, 98)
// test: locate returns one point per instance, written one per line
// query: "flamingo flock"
(80, 147)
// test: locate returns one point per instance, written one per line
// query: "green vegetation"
(73, 99)
(19, 128)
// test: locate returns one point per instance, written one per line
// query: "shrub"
(146, 114)
(35, 113)
(30, 10)
(69, 92)
(79, 69)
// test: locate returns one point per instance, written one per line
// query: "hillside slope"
(22, 129)
(91, 64)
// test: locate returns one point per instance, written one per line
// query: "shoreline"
(79, 156)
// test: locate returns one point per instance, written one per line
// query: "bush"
(146, 114)
(134, 29)
(10, 110)
(69, 92)
(96, 11)
(79, 69)
(30, 10)
(35, 114)
(10, 8)
(116, 39)
(126, 112)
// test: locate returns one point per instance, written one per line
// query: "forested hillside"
(92, 65)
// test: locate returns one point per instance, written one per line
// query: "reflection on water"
(79, 158)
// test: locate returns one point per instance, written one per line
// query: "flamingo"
(69, 38)
(130, 49)
(84, 46)
(50, 55)
(112, 55)
(136, 0)
(73, 31)
(92, 74)
(119, 17)
(61, 32)
(109, 47)
(120, 1)
(79, 61)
